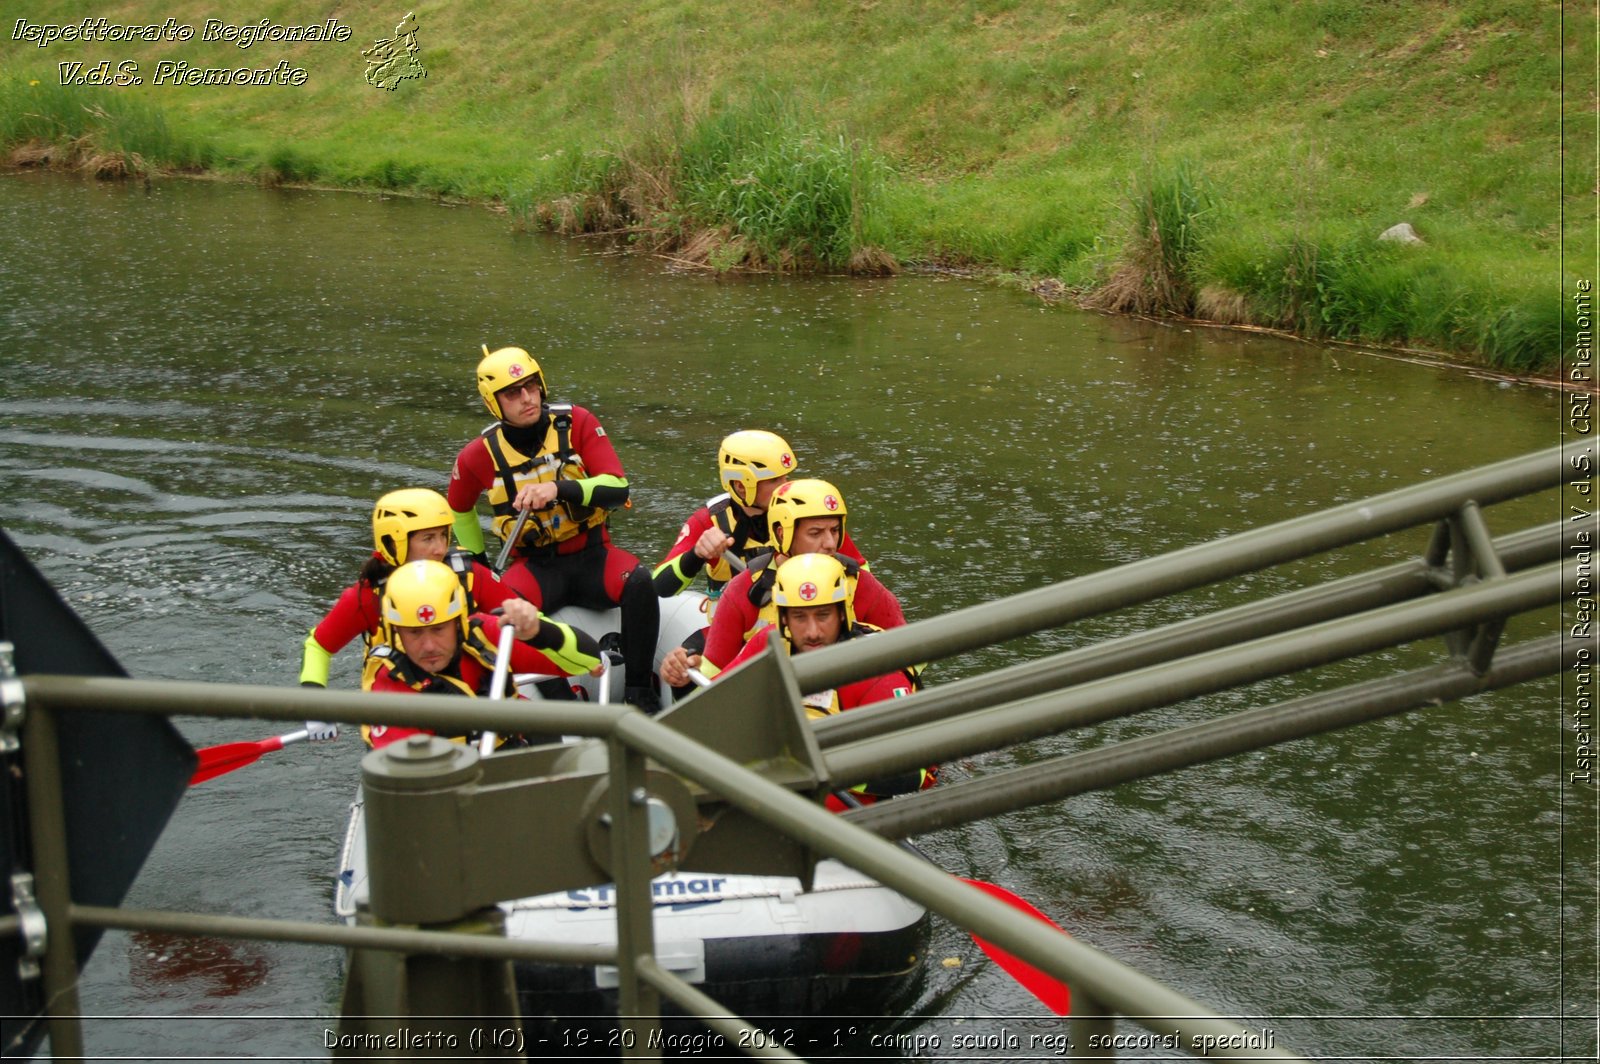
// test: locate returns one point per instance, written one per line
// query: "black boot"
(556, 689)
(641, 627)
(644, 698)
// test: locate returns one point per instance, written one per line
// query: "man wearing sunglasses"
(554, 463)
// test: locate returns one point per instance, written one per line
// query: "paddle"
(217, 760)
(502, 666)
(1052, 992)
(1047, 988)
(605, 677)
(516, 533)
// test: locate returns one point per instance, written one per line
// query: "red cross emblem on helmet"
(786, 459)
(426, 613)
(830, 503)
(808, 591)
(516, 370)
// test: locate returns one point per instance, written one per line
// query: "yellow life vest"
(555, 460)
(460, 563)
(725, 519)
(392, 659)
(383, 657)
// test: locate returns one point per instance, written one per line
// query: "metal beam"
(447, 714)
(1254, 729)
(711, 1012)
(1118, 987)
(395, 939)
(1127, 585)
(47, 819)
(1365, 591)
(638, 1000)
(1197, 675)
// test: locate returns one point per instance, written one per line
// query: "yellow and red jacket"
(567, 446)
(897, 684)
(559, 649)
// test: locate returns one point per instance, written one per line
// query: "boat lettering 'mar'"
(679, 892)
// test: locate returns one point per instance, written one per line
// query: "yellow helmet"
(814, 580)
(400, 513)
(503, 368)
(420, 594)
(748, 457)
(797, 499)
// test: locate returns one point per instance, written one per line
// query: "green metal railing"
(767, 767)
(1095, 977)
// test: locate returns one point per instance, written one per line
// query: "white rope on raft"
(787, 894)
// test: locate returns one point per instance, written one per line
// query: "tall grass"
(741, 186)
(570, 190)
(793, 196)
(1170, 212)
(97, 130)
(997, 135)
(1342, 283)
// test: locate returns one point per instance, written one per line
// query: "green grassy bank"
(1231, 160)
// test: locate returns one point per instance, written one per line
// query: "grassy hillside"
(1226, 159)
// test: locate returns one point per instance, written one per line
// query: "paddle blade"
(1052, 992)
(218, 760)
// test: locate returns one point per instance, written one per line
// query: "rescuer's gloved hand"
(321, 731)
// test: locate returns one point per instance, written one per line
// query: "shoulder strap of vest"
(561, 418)
(762, 575)
(852, 568)
(478, 646)
(491, 436)
(726, 520)
(478, 643)
(398, 665)
(460, 563)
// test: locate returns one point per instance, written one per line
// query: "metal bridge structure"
(731, 778)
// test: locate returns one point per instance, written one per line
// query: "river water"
(206, 386)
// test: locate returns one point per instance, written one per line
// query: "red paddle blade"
(1047, 988)
(218, 760)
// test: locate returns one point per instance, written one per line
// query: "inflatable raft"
(761, 945)
(681, 616)
(766, 949)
